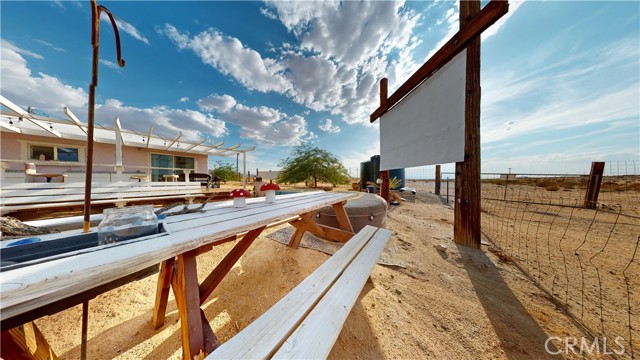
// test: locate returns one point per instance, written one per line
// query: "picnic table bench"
(42, 286)
(306, 323)
(34, 196)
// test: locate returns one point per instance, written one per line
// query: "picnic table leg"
(185, 287)
(162, 292)
(306, 223)
(220, 271)
(341, 215)
(25, 342)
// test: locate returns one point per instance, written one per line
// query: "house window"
(53, 152)
(162, 164)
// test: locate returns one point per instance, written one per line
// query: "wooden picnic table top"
(46, 281)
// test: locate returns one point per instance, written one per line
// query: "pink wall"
(103, 154)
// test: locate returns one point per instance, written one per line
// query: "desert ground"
(455, 304)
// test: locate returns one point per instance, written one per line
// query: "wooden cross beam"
(491, 13)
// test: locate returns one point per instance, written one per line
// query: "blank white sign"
(427, 126)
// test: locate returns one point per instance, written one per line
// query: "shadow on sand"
(509, 318)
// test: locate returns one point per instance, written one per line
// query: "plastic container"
(125, 223)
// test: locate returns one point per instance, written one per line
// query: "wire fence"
(586, 260)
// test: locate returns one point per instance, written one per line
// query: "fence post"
(505, 188)
(593, 188)
(438, 179)
(447, 191)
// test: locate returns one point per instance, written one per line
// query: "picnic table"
(44, 286)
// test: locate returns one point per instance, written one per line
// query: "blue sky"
(560, 80)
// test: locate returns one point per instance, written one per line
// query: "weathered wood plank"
(263, 337)
(328, 316)
(342, 217)
(25, 342)
(185, 287)
(40, 284)
(162, 293)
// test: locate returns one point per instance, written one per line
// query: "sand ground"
(458, 304)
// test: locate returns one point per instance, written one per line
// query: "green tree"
(226, 172)
(308, 162)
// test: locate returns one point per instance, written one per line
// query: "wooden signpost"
(473, 22)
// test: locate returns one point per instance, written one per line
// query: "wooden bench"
(306, 323)
(32, 196)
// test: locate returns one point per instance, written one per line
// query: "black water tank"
(399, 174)
(375, 167)
(365, 173)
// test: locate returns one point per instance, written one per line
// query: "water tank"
(365, 173)
(399, 174)
(375, 167)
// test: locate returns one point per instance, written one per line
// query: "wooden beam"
(466, 225)
(149, 136)
(185, 287)
(220, 271)
(438, 179)
(211, 341)
(162, 293)
(593, 188)
(384, 187)
(11, 128)
(74, 119)
(342, 217)
(174, 140)
(194, 145)
(491, 13)
(25, 342)
(305, 223)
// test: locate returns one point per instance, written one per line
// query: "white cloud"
(184, 99)
(326, 125)
(229, 56)
(215, 102)
(267, 126)
(321, 73)
(41, 91)
(50, 94)
(268, 14)
(165, 121)
(559, 95)
(109, 64)
(56, 48)
(8, 45)
(126, 27)
(493, 29)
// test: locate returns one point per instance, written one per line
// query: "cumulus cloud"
(268, 14)
(184, 99)
(326, 125)
(230, 57)
(10, 46)
(40, 90)
(50, 94)
(126, 27)
(165, 121)
(267, 126)
(215, 102)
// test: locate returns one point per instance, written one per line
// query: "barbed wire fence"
(586, 259)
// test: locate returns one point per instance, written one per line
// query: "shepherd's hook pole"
(95, 42)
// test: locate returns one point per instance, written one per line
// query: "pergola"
(20, 121)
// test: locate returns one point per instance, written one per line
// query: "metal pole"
(95, 42)
(85, 325)
(237, 170)
(244, 170)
